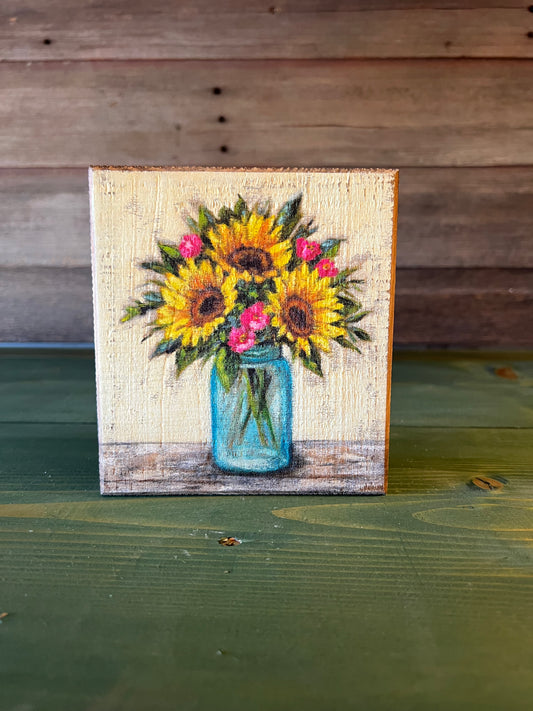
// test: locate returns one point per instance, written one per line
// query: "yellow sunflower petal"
(196, 302)
(305, 309)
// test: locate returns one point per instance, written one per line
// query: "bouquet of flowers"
(246, 277)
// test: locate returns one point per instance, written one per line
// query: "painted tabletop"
(418, 600)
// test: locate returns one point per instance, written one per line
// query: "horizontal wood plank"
(452, 307)
(48, 304)
(293, 29)
(399, 584)
(44, 218)
(465, 217)
(314, 113)
(448, 217)
(321, 467)
(448, 307)
(405, 587)
(57, 386)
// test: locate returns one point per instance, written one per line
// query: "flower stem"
(253, 402)
(235, 419)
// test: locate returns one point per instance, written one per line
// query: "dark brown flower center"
(251, 259)
(207, 305)
(298, 317)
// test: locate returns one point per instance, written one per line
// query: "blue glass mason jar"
(251, 425)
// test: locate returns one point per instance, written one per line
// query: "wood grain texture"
(319, 467)
(46, 304)
(144, 403)
(323, 113)
(466, 217)
(297, 29)
(448, 217)
(428, 587)
(44, 218)
(47, 386)
(495, 305)
(459, 307)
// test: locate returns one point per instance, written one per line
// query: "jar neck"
(261, 354)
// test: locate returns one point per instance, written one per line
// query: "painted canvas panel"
(243, 326)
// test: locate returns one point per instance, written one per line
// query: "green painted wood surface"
(418, 600)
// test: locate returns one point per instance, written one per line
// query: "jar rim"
(261, 353)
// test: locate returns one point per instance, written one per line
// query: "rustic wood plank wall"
(441, 90)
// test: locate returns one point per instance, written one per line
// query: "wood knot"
(487, 483)
(506, 372)
(229, 541)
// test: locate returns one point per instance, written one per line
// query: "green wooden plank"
(462, 390)
(416, 600)
(48, 457)
(64, 458)
(47, 386)
(327, 603)
(429, 389)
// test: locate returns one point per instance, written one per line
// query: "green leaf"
(157, 282)
(151, 332)
(301, 232)
(341, 277)
(359, 333)
(170, 260)
(208, 348)
(170, 250)
(289, 216)
(289, 211)
(163, 347)
(263, 208)
(345, 343)
(330, 248)
(131, 312)
(357, 317)
(158, 267)
(153, 298)
(227, 365)
(225, 215)
(206, 219)
(240, 209)
(351, 310)
(184, 358)
(193, 225)
(139, 307)
(312, 361)
(312, 365)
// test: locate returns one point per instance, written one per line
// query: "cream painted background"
(140, 400)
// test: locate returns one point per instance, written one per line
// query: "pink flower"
(307, 250)
(241, 339)
(254, 318)
(190, 246)
(327, 268)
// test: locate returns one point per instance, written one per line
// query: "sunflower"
(250, 247)
(304, 308)
(196, 302)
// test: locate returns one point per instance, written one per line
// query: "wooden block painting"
(243, 326)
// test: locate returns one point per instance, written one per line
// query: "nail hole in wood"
(530, 8)
(223, 149)
(222, 119)
(273, 10)
(47, 41)
(530, 34)
(217, 90)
